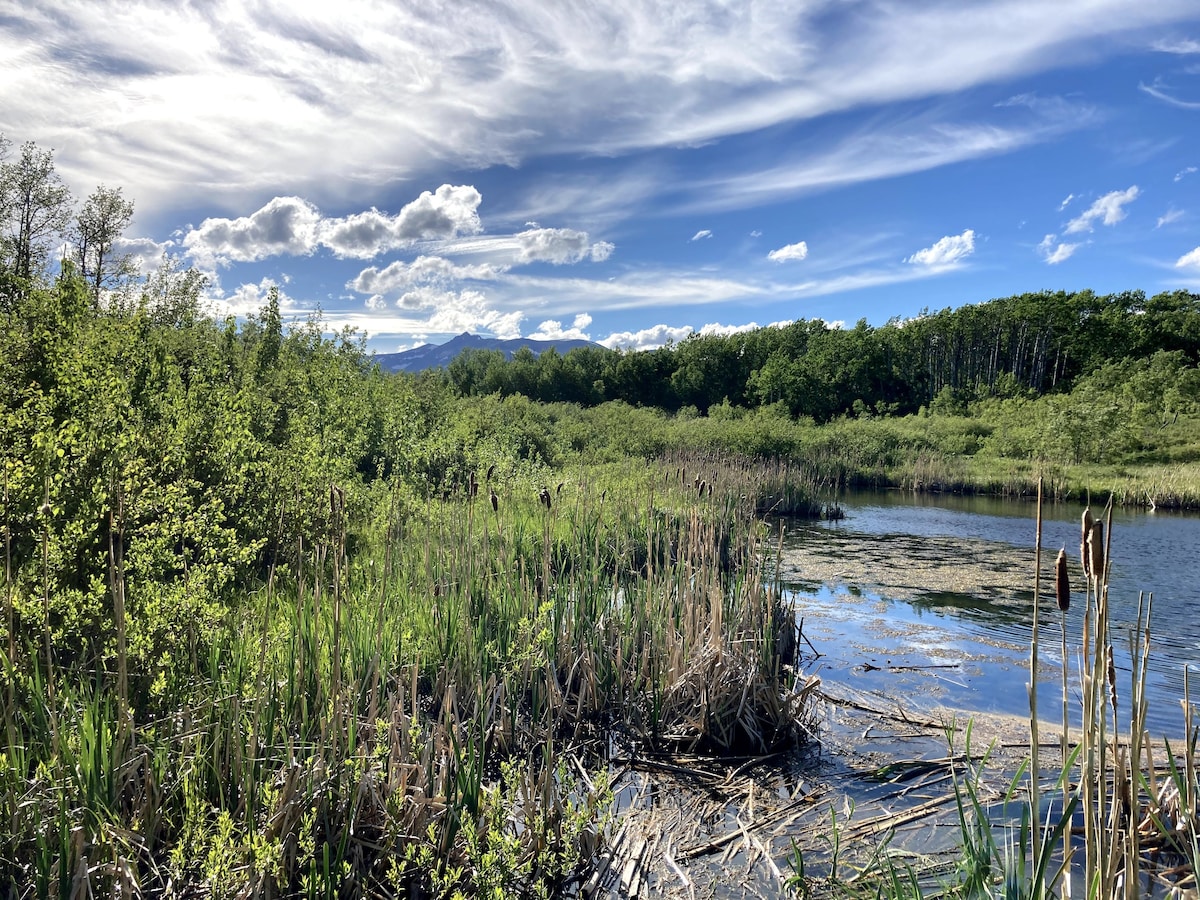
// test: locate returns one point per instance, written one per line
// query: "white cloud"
(423, 270)
(948, 251)
(602, 250)
(701, 235)
(552, 330)
(552, 245)
(452, 312)
(250, 298)
(1054, 252)
(1160, 91)
(146, 252)
(1171, 215)
(789, 252)
(647, 338)
(274, 91)
(1065, 202)
(726, 330)
(1183, 173)
(1189, 260)
(756, 233)
(1184, 47)
(1109, 209)
(284, 225)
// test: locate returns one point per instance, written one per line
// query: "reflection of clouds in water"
(961, 582)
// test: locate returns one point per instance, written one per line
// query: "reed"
(416, 702)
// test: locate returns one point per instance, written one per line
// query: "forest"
(277, 623)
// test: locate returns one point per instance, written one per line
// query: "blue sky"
(625, 171)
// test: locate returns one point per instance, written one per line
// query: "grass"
(414, 704)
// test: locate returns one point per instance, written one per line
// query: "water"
(927, 599)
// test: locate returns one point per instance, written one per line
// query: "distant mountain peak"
(432, 356)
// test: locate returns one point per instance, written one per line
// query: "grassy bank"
(413, 704)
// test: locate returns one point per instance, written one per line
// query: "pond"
(926, 601)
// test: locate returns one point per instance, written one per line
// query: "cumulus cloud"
(1054, 252)
(789, 252)
(552, 245)
(647, 338)
(602, 250)
(424, 270)
(250, 298)
(146, 252)
(1189, 260)
(452, 312)
(284, 225)
(948, 251)
(294, 226)
(552, 330)
(701, 235)
(1109, 209)
(1171, 215)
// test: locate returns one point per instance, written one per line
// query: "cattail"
(474, 486)
(1083, 539)
(44, 510)
(495, 500)
(490, 472)
(544, 498)
(1062, 582)
(558, 490)
(700, 488)
(1096, 549)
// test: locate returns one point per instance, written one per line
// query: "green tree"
(99, 225)
(36, 205)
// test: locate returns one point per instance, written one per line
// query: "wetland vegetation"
(277, 624)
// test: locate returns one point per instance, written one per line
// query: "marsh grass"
(416, 703)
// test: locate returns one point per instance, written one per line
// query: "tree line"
(1034, 343)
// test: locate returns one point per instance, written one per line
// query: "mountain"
(429, 356)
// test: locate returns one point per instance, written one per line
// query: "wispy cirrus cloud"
(393, 91)
(1160, 91)
(1171, 215)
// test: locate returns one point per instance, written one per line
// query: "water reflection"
(902, 571)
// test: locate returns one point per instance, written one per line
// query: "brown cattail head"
(1095, 544)
(544, 498)
(558, 490)
(1062, 582)
(490, 472)
(495, 501)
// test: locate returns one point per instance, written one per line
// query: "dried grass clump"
(724, 702)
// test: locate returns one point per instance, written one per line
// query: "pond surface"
(926, 601)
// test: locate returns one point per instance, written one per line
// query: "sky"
(627, 172)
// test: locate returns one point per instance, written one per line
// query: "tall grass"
(413, 704)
